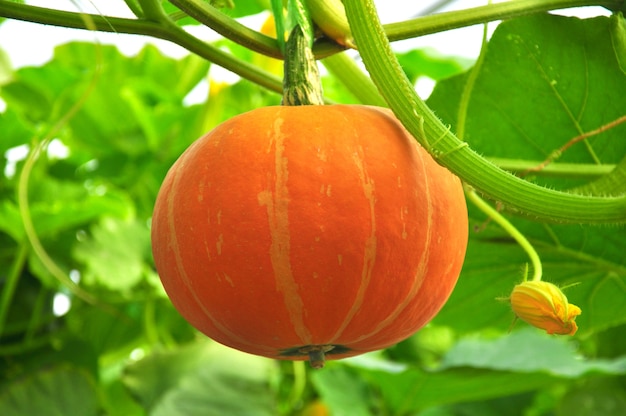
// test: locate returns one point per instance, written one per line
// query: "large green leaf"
(115, 254)
(14, 131)
(429, 63)
(343, 391)
(59, 391)
(232, 8)
(135, 94)
(528, 351)
(131, 107)
(594, 397)
(618, 37)
(60, 206)
(132, 125)
(413, 389)
(240, 8)
(589, 258)
(150, 378)
(545, 80)
(203, 378)
(107, 330)
(6, 69)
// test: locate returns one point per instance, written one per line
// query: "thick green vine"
(515, 193)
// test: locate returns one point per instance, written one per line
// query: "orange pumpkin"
(290, 232)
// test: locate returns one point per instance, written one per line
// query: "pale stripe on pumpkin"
(422, 263)
(277, 204)
(175, 247)
(369, 251)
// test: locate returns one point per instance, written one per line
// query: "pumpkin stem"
(317, 354)
(301, 84)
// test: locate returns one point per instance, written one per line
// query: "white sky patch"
(61, 304)
(58, 150)
(198, 94)
(13, 157)
(137, 354)
(424, 87)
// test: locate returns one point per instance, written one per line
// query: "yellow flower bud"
(544, 306)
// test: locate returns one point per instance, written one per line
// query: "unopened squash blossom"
(330, 17)
(538, 303)
(544, 306)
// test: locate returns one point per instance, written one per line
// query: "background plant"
(545, 89)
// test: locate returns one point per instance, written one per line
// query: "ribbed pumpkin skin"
(288, 227)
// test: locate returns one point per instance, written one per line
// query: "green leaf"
(594, 397)
(490, 271)
(34, 90)
(6, 69)
(15, 130)
(206, 379)
(231, 8)
(115, 253)
(150, 378)
(618, 37)
(429, 63)
(227, 100)
(60, 391)
(589, 258)
(527, 351)
(244, 8)
(613, 183)
(60, 206)
(343, 391)
(135, 107)
(222, 4)
(545, 80)
(136, 93)
(414, 389)
(107, 332)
